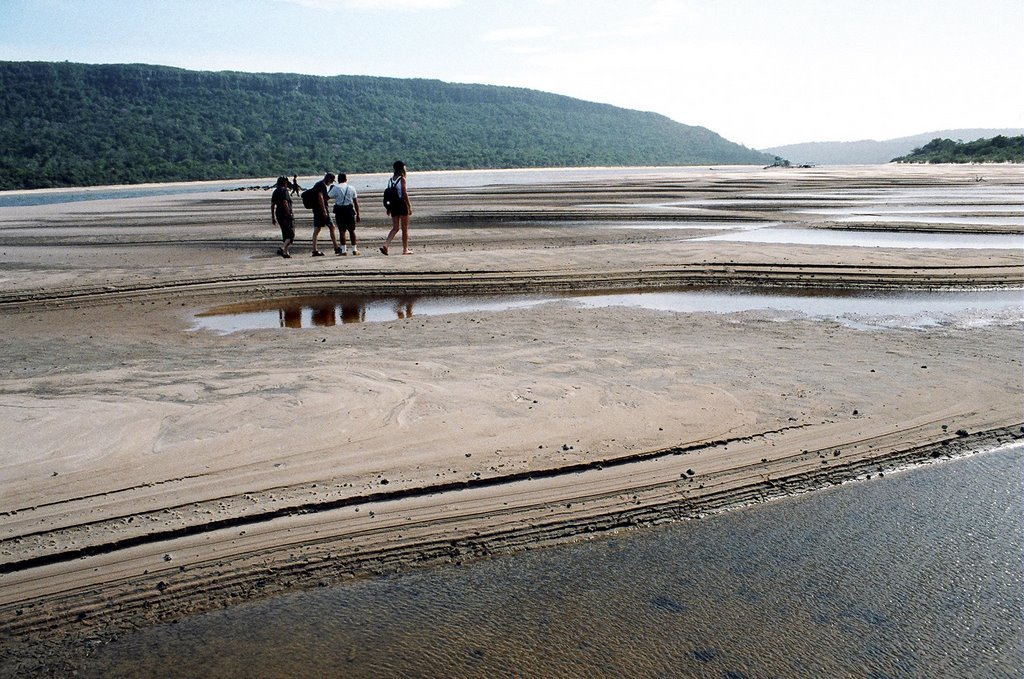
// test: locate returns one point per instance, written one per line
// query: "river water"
(915, 574)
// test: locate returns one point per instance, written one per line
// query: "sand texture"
(149, 469)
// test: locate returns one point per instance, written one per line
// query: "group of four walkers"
(346, 211)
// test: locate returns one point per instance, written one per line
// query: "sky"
(761, 73)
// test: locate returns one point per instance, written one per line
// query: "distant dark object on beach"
(249, 188)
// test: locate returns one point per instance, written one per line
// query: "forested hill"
(998, 149)
(75, 124)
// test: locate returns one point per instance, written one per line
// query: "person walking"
(281, 215)
(321, 216)
(400, 210)
(295, 185)
(346, 211)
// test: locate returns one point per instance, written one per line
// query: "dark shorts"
(346, 217)
(399, 210)
(320, 221)
(287, 225)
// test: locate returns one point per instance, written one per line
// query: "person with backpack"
(346, 211)
(281, 215)
(315, 199)
(396, 202)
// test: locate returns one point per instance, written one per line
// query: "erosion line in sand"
(314, 507)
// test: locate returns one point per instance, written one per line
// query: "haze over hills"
(67, 124)
(871, 152)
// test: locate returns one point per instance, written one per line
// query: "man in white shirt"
(346, 211)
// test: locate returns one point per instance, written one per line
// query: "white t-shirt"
(343, 194)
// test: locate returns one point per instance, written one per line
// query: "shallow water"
(361, 182)
(917, 574)
(875, 239)
(874, 310)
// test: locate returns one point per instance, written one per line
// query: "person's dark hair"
(282, 181)
(342, 178)
(399, 167)
(329, 177)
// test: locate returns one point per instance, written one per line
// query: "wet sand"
(150, 470)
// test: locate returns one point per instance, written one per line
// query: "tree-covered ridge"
(76, 124)
(998, 149)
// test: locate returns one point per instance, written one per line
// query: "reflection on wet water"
(917, 574)
(694, 225)
(854, 309)
(876, 239)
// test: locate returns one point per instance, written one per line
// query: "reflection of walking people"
(403, 307)
(295, 185)
(346, 211)
(401, 211)
(281, 215)
(321, 217)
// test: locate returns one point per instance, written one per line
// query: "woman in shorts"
(401, 211)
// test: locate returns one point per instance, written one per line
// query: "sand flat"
(149, 469)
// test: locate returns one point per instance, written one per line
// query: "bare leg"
(316, 234)
(405, 236)
(395, 226)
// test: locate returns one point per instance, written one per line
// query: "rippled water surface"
(918, 574)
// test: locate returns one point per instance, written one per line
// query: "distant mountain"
(871, 152)
(75, 124)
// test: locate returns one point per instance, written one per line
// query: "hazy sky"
(758, 72)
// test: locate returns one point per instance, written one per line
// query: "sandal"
(384, 249)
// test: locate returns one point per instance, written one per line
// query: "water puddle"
(708, 225)
(952, 208)
(859, 310)
(875, 239)
(925, 218)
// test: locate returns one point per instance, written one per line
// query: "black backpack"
(391, 198)
(309, 199)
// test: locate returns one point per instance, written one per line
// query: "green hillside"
(67, 124)
(998, 149)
